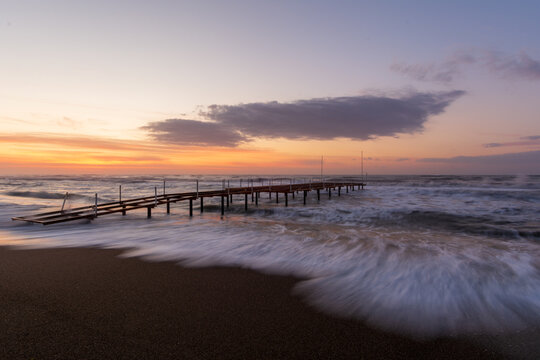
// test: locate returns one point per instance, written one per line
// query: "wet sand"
(91, 304)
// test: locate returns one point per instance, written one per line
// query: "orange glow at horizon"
(53, 153)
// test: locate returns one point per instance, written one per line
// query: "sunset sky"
(267, 87)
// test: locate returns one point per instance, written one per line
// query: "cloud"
(70, 123)
(402, 159)
(521, 65)
(502, 160)
(491, 145)
(505, 65)
(353, 117)
(433, 72)
(526, 141)
(534, 137)
(194, 132)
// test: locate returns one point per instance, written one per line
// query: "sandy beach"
(75, 303)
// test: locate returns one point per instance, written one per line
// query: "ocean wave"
(409, 254)
(45, 195)
(486, 225)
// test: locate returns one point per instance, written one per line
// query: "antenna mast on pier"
(362, 164)
(321, 168)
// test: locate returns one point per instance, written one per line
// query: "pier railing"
(225, 193)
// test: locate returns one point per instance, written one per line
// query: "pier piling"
(222, 205)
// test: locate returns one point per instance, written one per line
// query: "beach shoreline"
(90, 303)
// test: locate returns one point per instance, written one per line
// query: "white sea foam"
(423, 261)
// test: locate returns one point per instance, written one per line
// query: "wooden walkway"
(150, 202)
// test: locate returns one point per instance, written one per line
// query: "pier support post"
(149, 212)
(305, 196)
(222, 205)
(202, 205)
(231, 198)
(286, 199)
(293, 195)
(245, 201)
(329, 193)
(168, 207)
(190, 207)
(318, 194)
(257, 199)
(362, 186)
(339, 191)
(227, 196)
(277, 198)
(347, 189)
(252, 195)
(123, 209)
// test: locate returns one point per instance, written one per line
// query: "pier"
(251, 193)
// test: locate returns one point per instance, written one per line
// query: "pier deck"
(150, 202)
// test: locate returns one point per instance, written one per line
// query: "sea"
(424, 256)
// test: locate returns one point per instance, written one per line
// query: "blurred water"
(422, 255)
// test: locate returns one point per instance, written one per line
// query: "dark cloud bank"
(354, 117)
(521, 158)
(533, 140)
(509, 66)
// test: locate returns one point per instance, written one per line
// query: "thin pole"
(120, 193)
(163, 187)
(322, 170)
(95, 206)
(65, 197)
(362, 165)
(155, 195)
(197, 187)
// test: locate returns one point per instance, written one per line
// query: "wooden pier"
(280, 193)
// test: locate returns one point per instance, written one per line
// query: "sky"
(268, 87)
